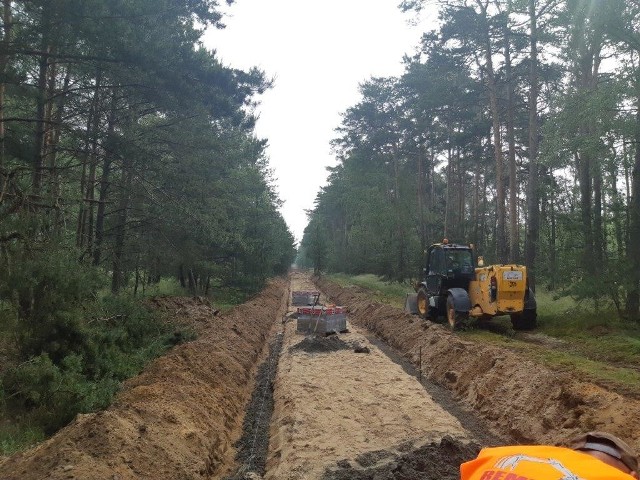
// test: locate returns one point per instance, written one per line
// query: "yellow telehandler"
(454, 287)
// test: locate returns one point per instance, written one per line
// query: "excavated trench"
(253, 446)
(393, 398)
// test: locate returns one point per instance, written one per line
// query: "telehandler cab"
(454, 287)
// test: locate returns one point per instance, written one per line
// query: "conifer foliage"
(127, 155)
(121, 136)
(515, 126)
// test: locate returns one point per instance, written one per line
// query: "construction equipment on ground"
(305, 297)
(321, 320)
(455, 287)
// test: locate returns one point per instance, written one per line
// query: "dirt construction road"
(251, 398)
(336, 404)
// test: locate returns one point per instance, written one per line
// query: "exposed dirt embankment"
(180, 417)
(524, 400)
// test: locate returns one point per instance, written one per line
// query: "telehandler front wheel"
(525, 320)
(425, 310)
(423, 303)
(455, 319)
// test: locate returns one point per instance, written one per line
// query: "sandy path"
(341, 404)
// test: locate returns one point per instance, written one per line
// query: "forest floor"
(395, 397)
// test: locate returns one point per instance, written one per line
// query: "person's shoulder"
(537, 462)
(543, 450)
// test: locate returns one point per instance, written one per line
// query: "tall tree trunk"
(598, 229)
(483, 210)
(633, 252)
(40, 123)
(400, 232)
(461, 233)
(121, 226)
(628, 188)
(533, 199)
(553, 249)
(104, 184)
(93, 123)
(55, 133)
(447, 202)
(193, 283)
(475, 211)
(514, 237)
(7, 36)
(616, 209)
(501, 241)
(421, 194)
(586, 68)
(181, 277)
(584, 179)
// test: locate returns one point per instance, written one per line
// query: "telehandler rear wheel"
(526, 320)
(455, 319)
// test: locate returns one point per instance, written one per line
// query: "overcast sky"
(318, 52)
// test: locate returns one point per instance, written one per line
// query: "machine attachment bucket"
(411, 303)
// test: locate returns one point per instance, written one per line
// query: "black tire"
(455, 319)
(423, 303)
(527, 320)
(425, 310)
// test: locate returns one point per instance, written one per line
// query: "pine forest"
(515, 127)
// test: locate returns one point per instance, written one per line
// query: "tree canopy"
(123, 137)
(515, 126)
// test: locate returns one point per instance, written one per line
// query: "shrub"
(17, 437)
(53, 394)
(47, 291)
(73, 349)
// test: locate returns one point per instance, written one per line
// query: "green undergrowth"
(391, 293)
(72, 350)
(14, 438)
(576, 336)
(113, 339)
(165, 286)
(223, 298)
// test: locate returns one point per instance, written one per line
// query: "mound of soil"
(322, 344)
(180, 417)
(196, 312)
(435, 460)
(525, 401)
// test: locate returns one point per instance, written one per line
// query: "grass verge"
(571, 336)
(391, 293)
(14, 438)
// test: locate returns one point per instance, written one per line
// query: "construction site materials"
(321, 320)
(305, 297)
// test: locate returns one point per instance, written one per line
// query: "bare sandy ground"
(339, 405)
